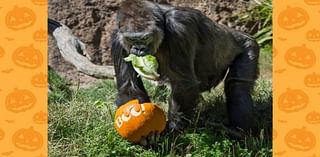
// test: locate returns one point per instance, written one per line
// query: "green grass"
(81, 123)
(83, 126)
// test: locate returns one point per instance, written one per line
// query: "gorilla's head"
(140, 27)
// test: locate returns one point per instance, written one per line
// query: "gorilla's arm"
(129, 85)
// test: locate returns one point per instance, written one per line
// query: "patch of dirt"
(93, 21)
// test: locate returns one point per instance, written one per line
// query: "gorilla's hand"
(152, 138)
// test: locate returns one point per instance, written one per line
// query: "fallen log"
(74, 52)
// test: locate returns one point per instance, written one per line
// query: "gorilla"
(194, 55)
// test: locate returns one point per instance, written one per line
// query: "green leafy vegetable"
(145, 66)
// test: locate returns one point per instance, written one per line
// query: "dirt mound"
(93, 21)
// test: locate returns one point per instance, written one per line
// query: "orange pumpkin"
(300, 139)
(313, 35)
(27, 57)
(40, 118)
(40, 2)
(293, 18)
(20, 18)
(20, 100)
(40, 35)
(300, 57)
(134, 121)
(27, 139)
(1, 134)
(293, 100)
(312, 80)
(312, 2)
(1, 52)
(40, 80)
(313, 117)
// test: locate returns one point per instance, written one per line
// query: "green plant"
(59, 90)
(261, 17)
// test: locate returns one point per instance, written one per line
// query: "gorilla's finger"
(143, 141)
(152, 138)
(157, 136)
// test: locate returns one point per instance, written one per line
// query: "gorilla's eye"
(129, 39)
(144, 38)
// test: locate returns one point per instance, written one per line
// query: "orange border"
(296, 74)
(296, 127)
(23, 85)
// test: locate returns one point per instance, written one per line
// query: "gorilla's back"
(211, 45)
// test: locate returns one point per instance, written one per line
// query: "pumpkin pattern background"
(40, 117)
(20, 100)
(301, 57)
(1, 134)
(27, 139)
(40, 2)
(300, 139)
(20, 18)
(23, 130)
(40, 35)
(312, 80)
(313, 117)
(313, 35)
(27, 57)
(312, 2)
(293, 100)
(1, 52)
(40, 80)
(295, 31)
(296, 93)
(293, 18)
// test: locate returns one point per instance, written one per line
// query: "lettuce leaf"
(145, 66)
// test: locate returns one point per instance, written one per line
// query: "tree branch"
(74, 52)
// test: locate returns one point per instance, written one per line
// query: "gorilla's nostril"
(139, 50)
(140, 47)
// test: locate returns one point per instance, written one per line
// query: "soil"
(93, 21)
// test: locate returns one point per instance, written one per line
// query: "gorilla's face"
(138, 31)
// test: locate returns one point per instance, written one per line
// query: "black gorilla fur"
(194, 55)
